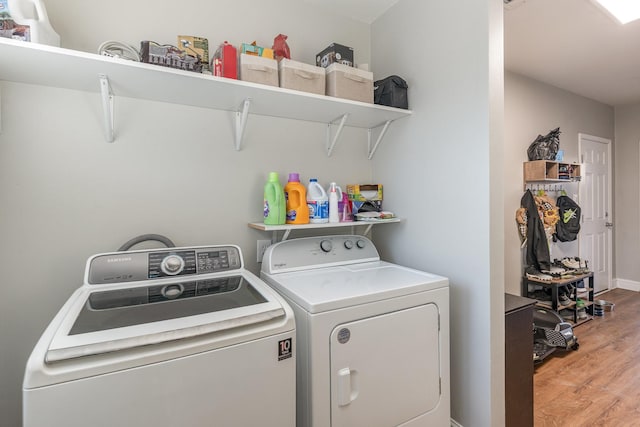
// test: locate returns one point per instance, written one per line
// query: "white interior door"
(595, 202)
(385, 370)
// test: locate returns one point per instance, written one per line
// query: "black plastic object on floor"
(550, 333)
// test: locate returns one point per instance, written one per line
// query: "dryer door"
(385, 369)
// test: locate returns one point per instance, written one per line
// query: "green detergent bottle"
(275, 205)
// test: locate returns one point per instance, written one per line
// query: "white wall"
(66, 194)
(533, 108)
(442, 171)
(627, 195)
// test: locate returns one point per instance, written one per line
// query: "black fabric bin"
(391, 91)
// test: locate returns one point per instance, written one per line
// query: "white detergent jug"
(33, 14)
(318, 203)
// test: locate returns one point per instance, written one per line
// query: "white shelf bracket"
(241, 122)
(331, 142)
(371, 151)
(107, 107)
(367, 230)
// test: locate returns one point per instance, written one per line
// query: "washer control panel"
(133, 266)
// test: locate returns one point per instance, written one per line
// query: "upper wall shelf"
(546, 171)
(33, 63)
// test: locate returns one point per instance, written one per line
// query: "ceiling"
(573, 45)
(570, 44)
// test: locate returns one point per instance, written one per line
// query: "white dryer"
(372, 337)
(168, 337)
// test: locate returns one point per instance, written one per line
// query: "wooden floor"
(599, 384)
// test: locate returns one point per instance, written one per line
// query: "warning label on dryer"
(285, 349)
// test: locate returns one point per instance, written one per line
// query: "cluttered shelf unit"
(577, 295)
(546, 171)
(71, 69)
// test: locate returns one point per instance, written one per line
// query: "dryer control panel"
(131, 266)
(321, 251)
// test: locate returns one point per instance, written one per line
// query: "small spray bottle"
(333, 203)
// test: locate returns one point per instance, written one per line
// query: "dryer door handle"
(347, 386)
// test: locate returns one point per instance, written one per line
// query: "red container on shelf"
(225, 61)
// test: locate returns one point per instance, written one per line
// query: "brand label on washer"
(344, 335)
(285, 349)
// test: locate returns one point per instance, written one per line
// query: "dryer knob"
(360, 244)
(326, 245)
(348, 244)
(172, 265)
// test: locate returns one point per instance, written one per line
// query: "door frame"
(607, 142)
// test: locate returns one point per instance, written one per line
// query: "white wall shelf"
(288, 228)
(38, 64)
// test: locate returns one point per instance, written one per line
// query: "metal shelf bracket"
(331, 142)
(107, 107)
(241, 122)
(371, 151)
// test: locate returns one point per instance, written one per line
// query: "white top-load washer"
(165, 337)
(372, 337)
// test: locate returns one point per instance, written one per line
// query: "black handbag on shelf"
(391, 91)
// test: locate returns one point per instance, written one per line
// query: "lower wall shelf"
(288, 228)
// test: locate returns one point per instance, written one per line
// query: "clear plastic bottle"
(274, 203)
(296, 197)
(333, 203)
(318, 203)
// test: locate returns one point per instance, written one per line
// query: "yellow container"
(296, 195)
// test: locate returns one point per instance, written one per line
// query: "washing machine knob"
(348, 244)
(172, 291)
(360, 244)
(326, 245)
(172, 265)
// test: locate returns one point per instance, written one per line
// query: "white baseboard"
(626, 284)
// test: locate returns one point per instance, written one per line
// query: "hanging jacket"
(537, 255)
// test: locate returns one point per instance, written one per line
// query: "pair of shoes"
(582, 313)
(539, 276)
(540, 295)
(581, 287)
(579, 303)
(563, 299)
(573, 263)
(555, 271)
(566, 314)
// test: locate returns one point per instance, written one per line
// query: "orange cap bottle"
(296, 196)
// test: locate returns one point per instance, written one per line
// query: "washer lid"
(122, 317)
(324, 289)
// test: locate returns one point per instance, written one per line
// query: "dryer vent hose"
(145, 237)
